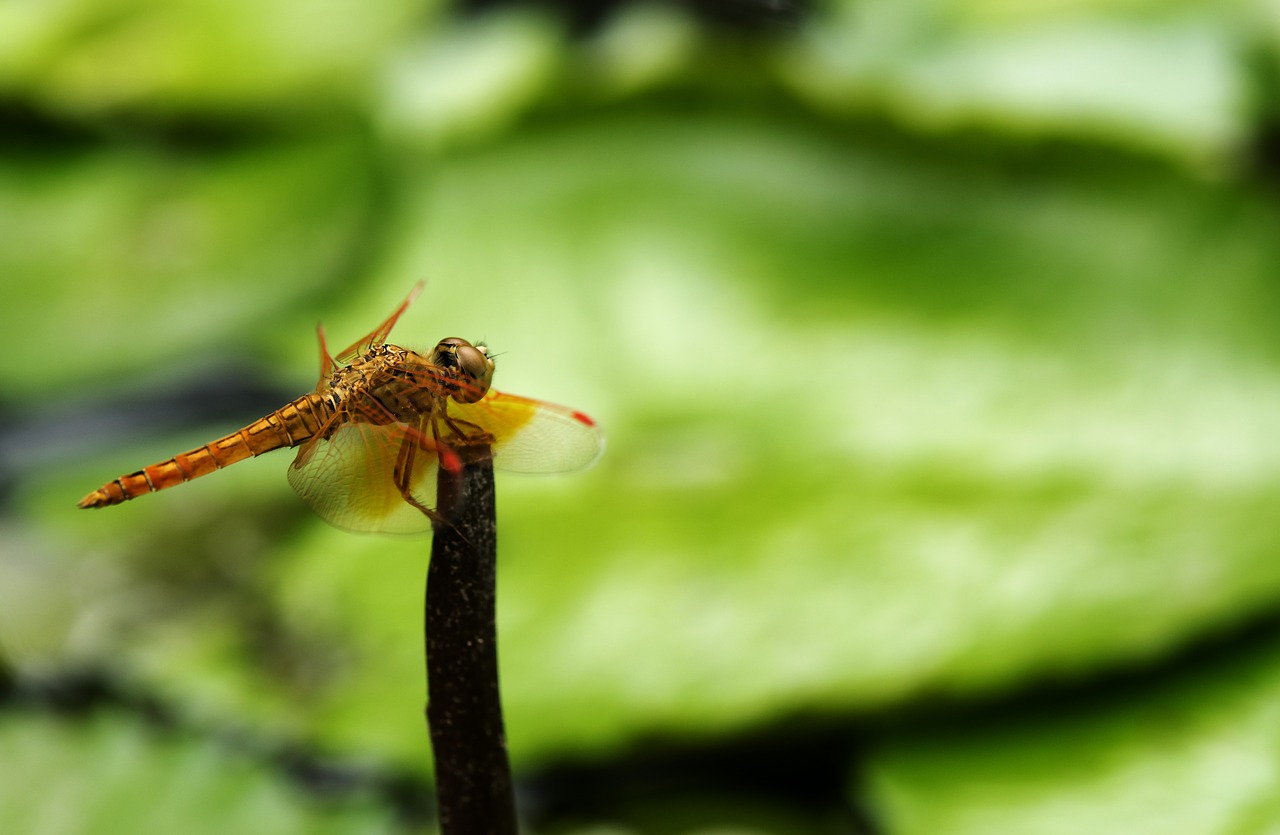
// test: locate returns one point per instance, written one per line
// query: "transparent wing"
(379, 334)
(532, 436)
(349, 479)
(329, 362)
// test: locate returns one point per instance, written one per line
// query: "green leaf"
(136, 256)
(112, 774)
(197, 57)
(1168, 80)
(1192, 753)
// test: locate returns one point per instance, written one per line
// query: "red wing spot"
(581, 418)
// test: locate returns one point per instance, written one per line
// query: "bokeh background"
(936, 343)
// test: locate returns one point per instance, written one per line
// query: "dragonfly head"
(470, 365)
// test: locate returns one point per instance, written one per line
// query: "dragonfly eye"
(471, 365)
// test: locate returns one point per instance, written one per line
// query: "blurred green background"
(935, 342)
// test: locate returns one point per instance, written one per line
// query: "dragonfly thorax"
(399, 384)
(387, 384)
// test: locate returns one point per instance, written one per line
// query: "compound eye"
(476, 369)
(447, 350)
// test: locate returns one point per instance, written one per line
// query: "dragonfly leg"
(403, 474)
(448, 458)
(470, 432)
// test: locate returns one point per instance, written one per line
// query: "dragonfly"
(380, 424)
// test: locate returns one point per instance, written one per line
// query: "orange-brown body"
(379, 425)
(286, 427)
(386, 385)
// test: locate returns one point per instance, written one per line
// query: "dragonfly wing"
(379, 334)
(349, 478)
(531, 436)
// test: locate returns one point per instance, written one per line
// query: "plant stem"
(464, 709)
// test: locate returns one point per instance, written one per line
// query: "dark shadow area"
(798, 768)
(742, 16)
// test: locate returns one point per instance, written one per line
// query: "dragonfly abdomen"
(287, 426)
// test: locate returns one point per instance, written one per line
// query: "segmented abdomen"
(287, 426)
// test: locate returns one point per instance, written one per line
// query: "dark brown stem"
(464, 710)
